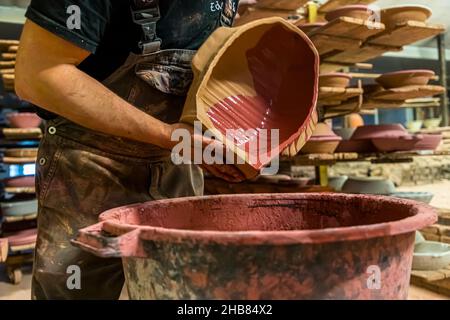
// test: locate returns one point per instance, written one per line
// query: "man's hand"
(226, 172)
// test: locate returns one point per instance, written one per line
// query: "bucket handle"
(94, 240)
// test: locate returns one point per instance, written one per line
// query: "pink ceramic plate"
(23, 238)
(394, 144)
(24, 120)
(429, 142)
(356, 146)
(379, 131)
(20, 182)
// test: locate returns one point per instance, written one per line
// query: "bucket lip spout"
(424, 215)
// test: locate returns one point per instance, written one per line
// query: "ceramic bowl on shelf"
(366, 185)
(310, 27)
(20, 208)
(21, 152)
(414, 126)
(335, 80)
(362, 12)
(425, 197)
(432, 123)
(430, 255)
(323, 140)
(24, 120)
(345, 133)
(379, 131)
(356, 146)
(337, 182)
(430, 142)
(393, 16)
(396, 144)
(405, 78)
(20, 182)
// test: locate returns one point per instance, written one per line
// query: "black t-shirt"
(109, 33)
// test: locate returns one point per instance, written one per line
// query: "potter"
(194, 311)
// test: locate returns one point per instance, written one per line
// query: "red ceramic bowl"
(395, 144)
(23, 238)
(356, 146)
(24, 120)
(335, 80)
(379, 131)
(429, 142)
(20, 182)
(354, 11)
(405, 78)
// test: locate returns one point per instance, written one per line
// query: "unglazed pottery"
(288, 247)
(24, 120)
(335, 80)
(337, 182)
(432, 123)
(429, 255)
(393, 16)
(238, 85)
(379, 131)
(405, 78)
(425, 197)
(361, 185)
(21, 208)
(323, 140)
(345, 133)
(353, 11)
(394, 144)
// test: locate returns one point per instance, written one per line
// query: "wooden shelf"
(351, 28)
(364, 53)
(28, 190)
(438, 281)
(11, 219)
(13, 160)
(326, 44)
(6, 44)
(22, 134)
(405, 93)
(334, 4)
(330, 96)
(281, 4)
(3, 250)
(407, 33)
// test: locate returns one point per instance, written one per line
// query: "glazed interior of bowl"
(264, 212)
(274, 85)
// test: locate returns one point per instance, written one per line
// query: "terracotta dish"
(395, 144)
(425, 197)
(405, 78)
(24, 120)
(429, 142)
(23, 238)
(356, 146)
(310, 27)
(323, 140)
(377, 186)
(20, 182)
(239, 85)
(335, 80)
(354, 11)
(393, 16)
(379, 131)
(429, 256)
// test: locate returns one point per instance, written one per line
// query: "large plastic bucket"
(299, 246)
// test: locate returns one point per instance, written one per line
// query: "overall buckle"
(147, 18)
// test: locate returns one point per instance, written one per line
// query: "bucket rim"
(424, 215)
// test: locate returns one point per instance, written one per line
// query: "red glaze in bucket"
(314, 246)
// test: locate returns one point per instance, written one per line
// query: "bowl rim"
(411, 7)
(424, 215)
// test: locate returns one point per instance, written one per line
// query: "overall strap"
(146, 14)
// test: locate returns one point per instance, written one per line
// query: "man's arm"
(47, 76)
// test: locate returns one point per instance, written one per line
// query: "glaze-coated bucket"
(299, 246)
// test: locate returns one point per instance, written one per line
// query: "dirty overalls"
(82, 173)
